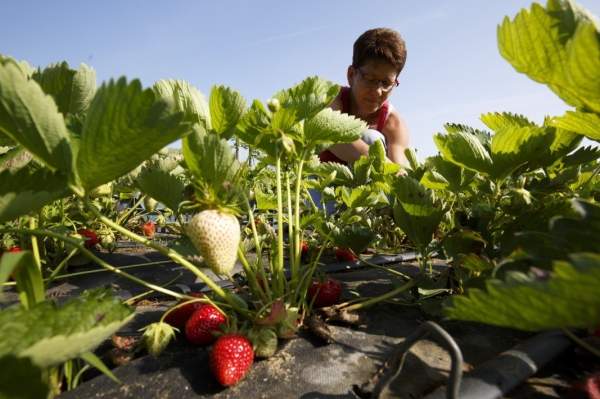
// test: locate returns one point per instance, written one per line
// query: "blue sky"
(453, 73)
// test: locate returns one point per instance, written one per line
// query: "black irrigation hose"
(496, 377)
(396, 362)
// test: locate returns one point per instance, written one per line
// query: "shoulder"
(337, 104)
(395, 128)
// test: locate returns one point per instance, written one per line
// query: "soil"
(303, 367)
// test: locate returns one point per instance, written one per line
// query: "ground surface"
(303, 367)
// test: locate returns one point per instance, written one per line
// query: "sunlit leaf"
(569, 298)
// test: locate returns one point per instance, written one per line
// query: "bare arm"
(396, 133)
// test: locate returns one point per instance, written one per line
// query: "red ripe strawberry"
(325, 293)
(201, 325)
(90, 236)
(304, 247)
(178, 317)
(345, 255)
(149, 228)
(231, 358)
(14, 249)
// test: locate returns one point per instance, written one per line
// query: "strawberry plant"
(526, 163)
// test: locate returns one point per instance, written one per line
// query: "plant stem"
(123, 218)
(92, 256)
(297, 230)
(387, 269)
(372, 301)
(279, 275)
(60, 266)
(582, 343)
(291, 241)
(134, 266)
(34, 245)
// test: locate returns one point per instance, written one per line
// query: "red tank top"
(328, 156)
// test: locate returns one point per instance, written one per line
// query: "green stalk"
(60, 266)
(125, 216)
(260, 269)
(92, 256)
(137, 297)
(386, 296)
(34, 245)
(305, 279)
(297, 232)
(134, 266)
(250, 275)
(254, 233)
(279, 275)
(580, 342)
(175, 256)
(291, 228)
(387, 269)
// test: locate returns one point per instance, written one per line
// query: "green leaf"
(125, 125)
(343, 174)
(515, 146)
(585, 123)
(557, 46)
(463, 242)
(162, 186)
(582, 155)
(464, 149)
(26, 191)
(377, 156)
(308, 97)
(416, 211)
(454, 176)
(499, 121)
(569, 298)
(474, 263)
(187, 99)
(29, 278)
(330, 126)
(50, 335)
(83, 89)
(95, 362)
(265, 201)
(484, 137)
(212, 163)
(21, 379)
(226, 108)
(253, 129)
(30, 117)
(434, 180)
(355, 237)
(72, 90)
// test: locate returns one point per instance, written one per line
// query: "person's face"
(371, 84)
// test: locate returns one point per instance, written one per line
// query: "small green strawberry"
(157, 336)
(231, 358)
(217, 236)
(150, 203)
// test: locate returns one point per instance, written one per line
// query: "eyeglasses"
(385, 85)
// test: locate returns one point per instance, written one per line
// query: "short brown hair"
(380, 44)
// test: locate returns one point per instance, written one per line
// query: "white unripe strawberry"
(217, 236)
